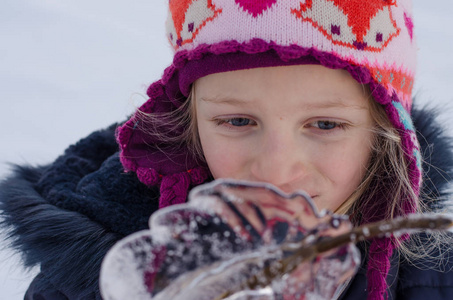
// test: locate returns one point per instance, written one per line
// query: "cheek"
(218, 161)
(224, 158)
(344, 170)
(349, 164)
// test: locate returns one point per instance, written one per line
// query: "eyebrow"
(331, 104)
(226, 100)
(334, 104)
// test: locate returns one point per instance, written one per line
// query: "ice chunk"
(232, 240)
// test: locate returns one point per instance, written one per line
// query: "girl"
(312, 95)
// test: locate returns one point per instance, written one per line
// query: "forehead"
(312, 86)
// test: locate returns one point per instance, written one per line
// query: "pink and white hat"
(373, 40)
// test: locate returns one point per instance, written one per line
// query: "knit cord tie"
(175, 188)
(380, 253)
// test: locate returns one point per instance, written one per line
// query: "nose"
(280, 160)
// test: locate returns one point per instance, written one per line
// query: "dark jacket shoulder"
(428, 277)
(65, 216)
(417, 278)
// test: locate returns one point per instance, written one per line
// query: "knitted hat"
(373, 40)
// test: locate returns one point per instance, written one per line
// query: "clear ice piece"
(232, 240)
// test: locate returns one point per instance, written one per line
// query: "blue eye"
(239, 122)
(326, 125)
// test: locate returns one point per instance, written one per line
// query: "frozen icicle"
(122, 269)
(241, 240)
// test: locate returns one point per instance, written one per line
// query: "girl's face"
(298, 127)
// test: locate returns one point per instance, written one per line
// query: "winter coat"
(65, 217)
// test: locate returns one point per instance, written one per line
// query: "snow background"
(70, 67)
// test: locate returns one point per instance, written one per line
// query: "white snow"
(69, 67)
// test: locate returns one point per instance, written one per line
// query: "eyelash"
(337, 125)
(228, 122)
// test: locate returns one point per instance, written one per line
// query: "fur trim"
(66, 216)
(437, 152)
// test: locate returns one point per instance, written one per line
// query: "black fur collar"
(437, 152)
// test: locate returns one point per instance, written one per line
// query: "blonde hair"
(175, 129)
(387, 162)
(387, 167)
(387, 179)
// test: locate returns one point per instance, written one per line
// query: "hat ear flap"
(149, 155)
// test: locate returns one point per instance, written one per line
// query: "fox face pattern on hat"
(377, 34)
